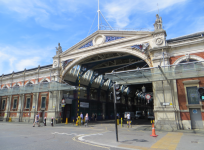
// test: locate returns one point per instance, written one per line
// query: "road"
(24, 136)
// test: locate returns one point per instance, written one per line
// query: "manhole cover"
(127, 142)
(194, 141)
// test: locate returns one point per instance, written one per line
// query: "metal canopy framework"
(35, 88)
(170, 72)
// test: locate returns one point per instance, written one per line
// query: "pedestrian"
(118, 115)
(36, 120)
(95, 117)
(82, 117)
(128, 119)
(86, 119)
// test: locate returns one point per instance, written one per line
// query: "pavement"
(102, 135)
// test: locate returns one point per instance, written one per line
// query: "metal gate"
(196, 119)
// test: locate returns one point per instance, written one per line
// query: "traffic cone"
(153, 131)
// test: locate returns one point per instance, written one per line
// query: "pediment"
(101, 37)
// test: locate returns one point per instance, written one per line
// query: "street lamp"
(143, 89)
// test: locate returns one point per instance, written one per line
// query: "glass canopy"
(34, 88)
(171, 72)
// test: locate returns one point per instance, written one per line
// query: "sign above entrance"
(84, 105)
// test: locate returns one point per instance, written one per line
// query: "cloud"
(120, 11)
(43, 11)
(18, 58)
(27, 63)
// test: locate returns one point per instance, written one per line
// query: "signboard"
(202, 98)
(63, 105)
(33, 106)
(195, 111)
(165, 104)
(84, 105)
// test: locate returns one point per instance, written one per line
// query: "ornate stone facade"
(150, 46)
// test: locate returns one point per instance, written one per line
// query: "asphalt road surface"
(24, 136)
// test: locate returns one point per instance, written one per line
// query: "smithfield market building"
(155, 76)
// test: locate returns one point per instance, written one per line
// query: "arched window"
(29, 83)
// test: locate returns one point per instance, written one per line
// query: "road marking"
(169, 141)
(81, 140)
(66, 133)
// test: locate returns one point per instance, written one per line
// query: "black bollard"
(45, 121)
(52, 122)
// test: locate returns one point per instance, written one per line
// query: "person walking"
(86, 119)
(36, 120)
(82, 117)
(128, 119)
(95, 117)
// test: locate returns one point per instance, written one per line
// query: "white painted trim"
(30, 82)
(45, 79)
(190, 57)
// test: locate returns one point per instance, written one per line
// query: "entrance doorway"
(67, 112)
(196, 119)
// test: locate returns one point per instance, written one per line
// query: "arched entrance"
(88, 72)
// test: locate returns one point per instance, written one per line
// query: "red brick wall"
(185, 116)
(174, 58)
(181, 90)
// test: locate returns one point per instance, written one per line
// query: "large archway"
(98, 93)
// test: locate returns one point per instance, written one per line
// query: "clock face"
(159, 41)
(99, 39)
(55, 63)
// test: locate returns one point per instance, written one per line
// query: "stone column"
(8, 106)
(34, 106)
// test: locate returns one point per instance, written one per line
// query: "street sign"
(63, 101)
(195, 111)
(148, 96)
(84, 105)
(165, 104)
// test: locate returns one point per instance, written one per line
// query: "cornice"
(185, 43)
(159, 48)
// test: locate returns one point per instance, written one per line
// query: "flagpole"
(98, 14)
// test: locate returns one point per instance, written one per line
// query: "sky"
(31, 29)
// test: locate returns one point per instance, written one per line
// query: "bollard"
(61, 120)
(52, 122)
(66, 121)
(117, 121)
(9, 119)
(79, 118)
(121, 122)
(73, 121)
(77, 122)
(45, 121)
(56, 120)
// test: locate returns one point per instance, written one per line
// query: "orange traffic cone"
(153, 131)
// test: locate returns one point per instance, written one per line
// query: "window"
(192, 95)
(43, 102)
(14, 103)
(3, 104)
(28, 103)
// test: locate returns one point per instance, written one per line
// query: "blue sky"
(31, 29)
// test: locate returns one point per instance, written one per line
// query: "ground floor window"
(192, 95)
(28, 103)
(3, 104)
(43, 102)
(14, 103)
